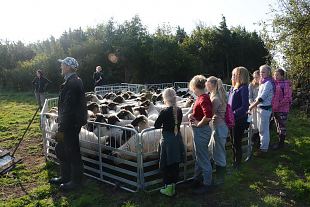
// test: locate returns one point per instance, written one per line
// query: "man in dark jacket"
(98, 76)
(40, 83)
(72, 115)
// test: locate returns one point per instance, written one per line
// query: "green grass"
(282, 178)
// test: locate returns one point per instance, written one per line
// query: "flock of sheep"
(121, 122)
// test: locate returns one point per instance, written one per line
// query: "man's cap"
(70, 61)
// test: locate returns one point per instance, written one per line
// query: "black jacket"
(98, 76)
(72, 109)
(40, 84)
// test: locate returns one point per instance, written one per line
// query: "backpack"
(229, 117)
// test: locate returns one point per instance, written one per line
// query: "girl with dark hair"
(281, 103)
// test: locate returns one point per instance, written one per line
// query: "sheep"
(151, 110)
(119, 99)
(89, 140)
(139, 110)
(92, 98)
(94, 107)
(104, 108)
(141, 122)
(112, 132)
(114, 120)
(185, 115)
(51, 125)
(127, 107)
(126, 96)
(124, 114)
(150, 142)
(110, 96)
(90, 114)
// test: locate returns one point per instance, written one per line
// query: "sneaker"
(168, 190)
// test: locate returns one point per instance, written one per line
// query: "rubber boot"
(76, 178)
(64, 175)
(168, 190)
(219, 175)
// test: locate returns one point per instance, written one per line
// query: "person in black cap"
(72, 115)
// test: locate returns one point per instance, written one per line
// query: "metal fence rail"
(107, 158)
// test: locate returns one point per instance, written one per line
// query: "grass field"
(282, 178)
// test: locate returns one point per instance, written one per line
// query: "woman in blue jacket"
(238, 99)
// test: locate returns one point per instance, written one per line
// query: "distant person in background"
(263, 102)
(98, 76)
(281, 104)
(172, 150)
(40, 84)
(238, 99)
(253, 91)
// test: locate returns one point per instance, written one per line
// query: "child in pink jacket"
(281, 103)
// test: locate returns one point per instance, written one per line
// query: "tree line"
(167, 55)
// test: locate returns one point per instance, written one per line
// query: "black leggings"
(170, 173)
(237, 134)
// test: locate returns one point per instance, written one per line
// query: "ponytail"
(219, 89)
(169, 97)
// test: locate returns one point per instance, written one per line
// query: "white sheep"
(150, 142)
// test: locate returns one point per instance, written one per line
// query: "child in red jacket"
(281, 103)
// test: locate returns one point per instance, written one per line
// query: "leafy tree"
(291, 37)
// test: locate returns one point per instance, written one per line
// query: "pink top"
(282, 98)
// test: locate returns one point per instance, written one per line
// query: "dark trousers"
(280, 118)
(237, 134)
(170, 173)
(68, 153)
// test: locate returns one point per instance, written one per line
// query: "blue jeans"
(201, 141)
(217, 144)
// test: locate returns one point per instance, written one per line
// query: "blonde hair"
(198, 82)
(243, 76)
(218, 89)
(169, 97)
(253, 83)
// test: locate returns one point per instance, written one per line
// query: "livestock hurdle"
(97, 156)
(137, 173)
(102, 90)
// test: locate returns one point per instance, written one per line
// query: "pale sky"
(34, 20)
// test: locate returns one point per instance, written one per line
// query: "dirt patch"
(31, 161)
